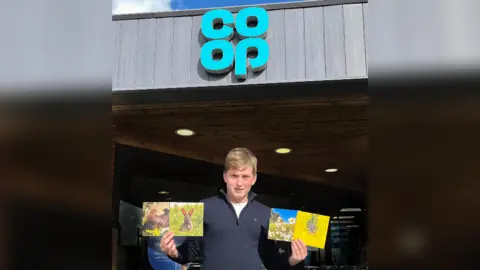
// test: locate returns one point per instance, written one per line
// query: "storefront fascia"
(309, 42)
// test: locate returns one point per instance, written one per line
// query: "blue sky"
(143, 6)
(285, 214)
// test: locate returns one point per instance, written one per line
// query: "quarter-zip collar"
(251, 196)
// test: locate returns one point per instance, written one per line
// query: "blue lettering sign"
(214, 17)
(256, 64)
(251, 39)
(259, 30)
(214, 47)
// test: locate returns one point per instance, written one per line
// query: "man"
(236, 226)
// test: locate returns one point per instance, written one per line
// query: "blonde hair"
(239, 157)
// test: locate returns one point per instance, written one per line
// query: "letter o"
(241, 23)
(217, 66)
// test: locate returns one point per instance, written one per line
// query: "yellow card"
(311, 228)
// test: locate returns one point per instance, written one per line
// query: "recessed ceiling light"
(163, 192)
(184, 132)
(283, 150)
(331, 170)
(350, 210)
(168, 199)
(346, 217)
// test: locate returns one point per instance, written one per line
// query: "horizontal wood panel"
(312, 43)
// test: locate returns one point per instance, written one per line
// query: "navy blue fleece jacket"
(235, 243)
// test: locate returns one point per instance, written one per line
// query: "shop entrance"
(310, 140)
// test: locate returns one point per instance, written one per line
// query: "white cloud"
(140, 6)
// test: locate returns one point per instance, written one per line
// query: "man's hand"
(167, 245)
(299, 252)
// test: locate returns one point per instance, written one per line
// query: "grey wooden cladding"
(276, 69)
(198, 75)
(163, 52)
(334, 42)
(295, 44)
(365, 17)
(354, 40)
(116, 50)
(127, 54)
(182, 41)
(314, 43)
(145, 63)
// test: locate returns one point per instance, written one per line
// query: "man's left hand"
(299, 252)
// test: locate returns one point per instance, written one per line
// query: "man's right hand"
(167, 245)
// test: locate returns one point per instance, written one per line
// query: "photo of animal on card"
(287, 225)
(155, 219)
(282, 224)
(186, 219)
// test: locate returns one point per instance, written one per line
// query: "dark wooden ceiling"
(324, 131)
(140, 174)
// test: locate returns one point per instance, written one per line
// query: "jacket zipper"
(241, 213)
(233, 208)
(235, 213)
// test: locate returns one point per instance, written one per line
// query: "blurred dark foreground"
(56, 182)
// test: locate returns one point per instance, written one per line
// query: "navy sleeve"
(188, 251)
(271, 257)
(275, 256)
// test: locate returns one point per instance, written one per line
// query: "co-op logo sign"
(251, 39)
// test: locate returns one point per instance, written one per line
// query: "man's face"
(239, 182)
